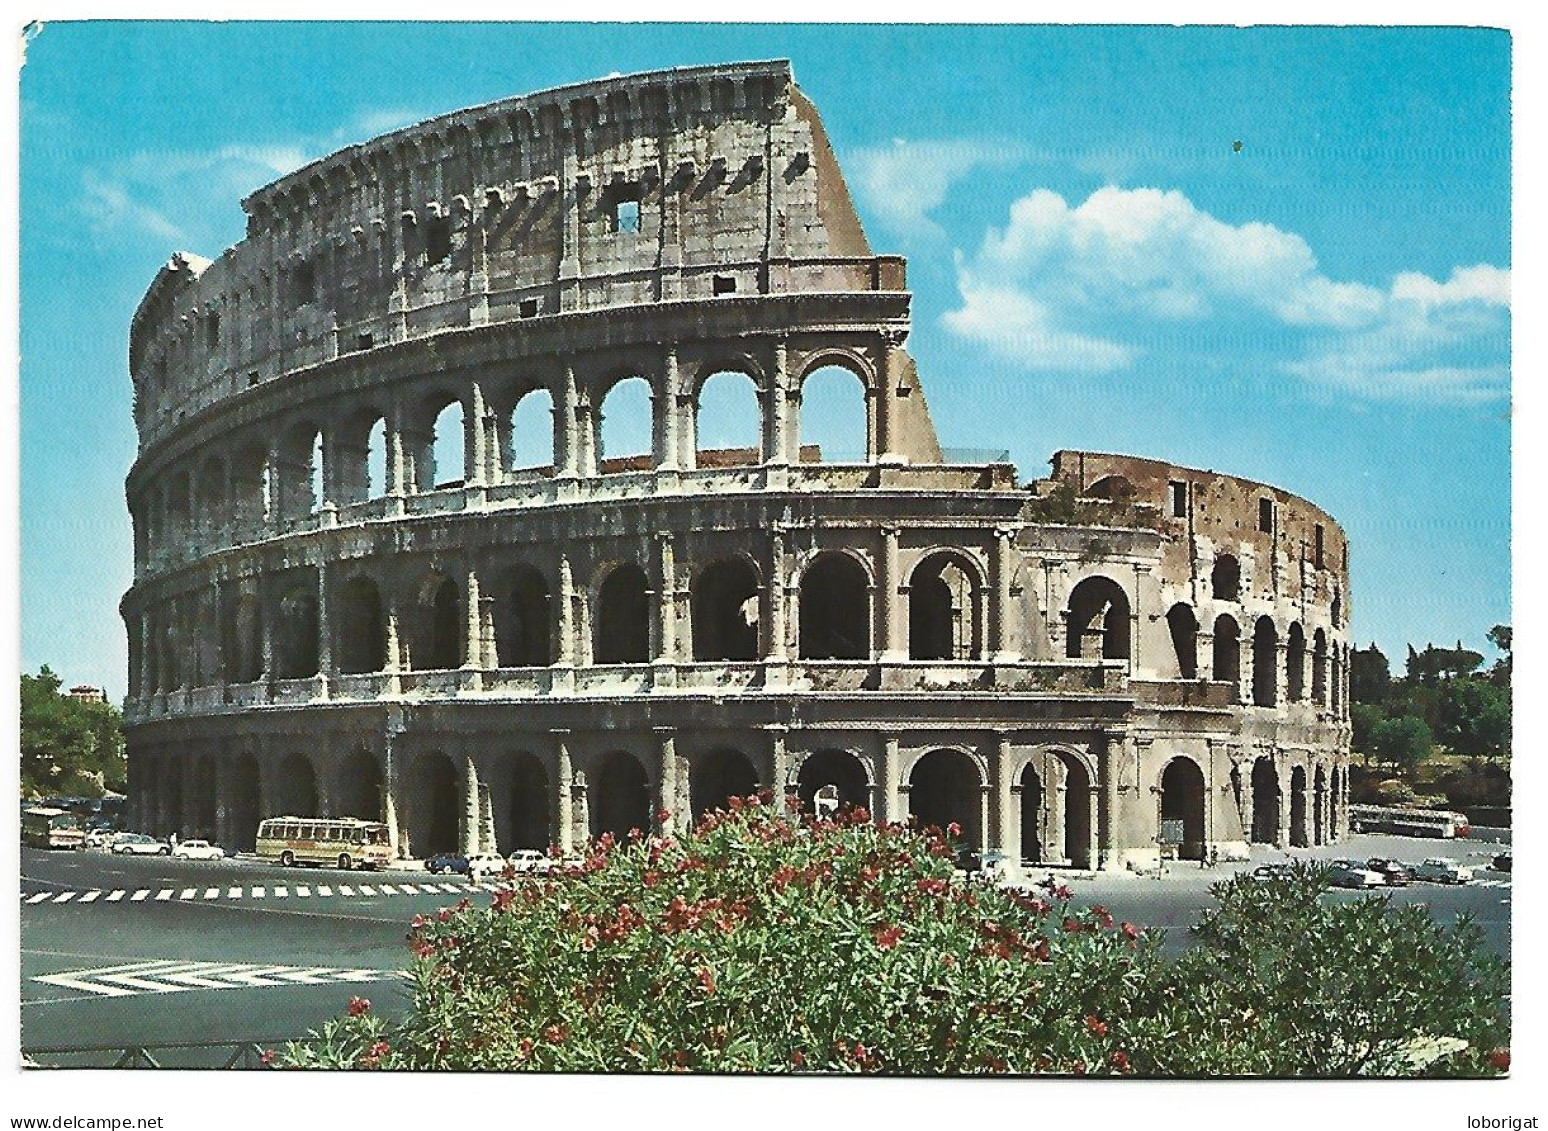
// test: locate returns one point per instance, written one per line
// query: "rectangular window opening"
(1317, 546)
(624, 201)
(724, 285)
(1179, 498)
(437, 239)
(528, 308)
(365, 341)
(1266, 515)
(303, 283)
(212, 332)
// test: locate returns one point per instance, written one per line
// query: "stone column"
(888, 806)
(774, 611)
(779, 763)
(1281, 673)
(390, 795)
(1109, 769)
(566, 625)
(890, 635)
(475, 439)
(666, 600)
(273, 502)
(776, 407)
(566, 438)
(887, 373)
(325, 670)
(473, 643)
(397, 466)
(563, 809)
(667, 799)
(1004, 828)
(1285, 781)
(470, 811)
(1001, 645)
(666, 423)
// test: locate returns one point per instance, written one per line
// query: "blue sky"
(1095, 261)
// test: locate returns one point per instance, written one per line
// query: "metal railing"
(239, 1055)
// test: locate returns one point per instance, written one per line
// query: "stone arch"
(1183, 799)
(529, 432)
(249, 498)
(243, 791)
(299, 470)
(439, 634)
(523, 822)
(1295, 663)
(835, 608)
(1116, 488)
(1226, 657)
(620, 796)
(202, 805)
(362, 627)
(1265, 663)
(354, 477)
(945, 599)
(1098, 620)
(625, 425)
(946, 786)
(621, 628)
(523, 617)
(838, 768)
(242, 646)
(1298, 831)
(358, 787)
(1319, 806)
(1265, 801)
(718, 775)
(1225, 578)
(1078, 794)
(1032, 805)
(724, 604)
(179, 508)
(727, 420)
(294, 793)
(1184, 628)
(833, 424)
(1320, 668)
(295, 631)
(435, 808)
(211, 500)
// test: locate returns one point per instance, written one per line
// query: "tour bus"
(343, 842)
(44, 827)
(1408, 822)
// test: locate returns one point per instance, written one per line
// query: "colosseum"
(386, 565)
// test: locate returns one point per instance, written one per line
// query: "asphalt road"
(120, 951)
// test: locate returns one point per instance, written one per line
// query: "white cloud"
(903, 182)
(1086, 288)
(109, 207)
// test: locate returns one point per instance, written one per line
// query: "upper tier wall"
(671, 185)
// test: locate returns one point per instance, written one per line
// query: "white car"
(1438, 869)
(199, 850)
(138, 844)
(1353, 874)
(530, 861)
(482, 864)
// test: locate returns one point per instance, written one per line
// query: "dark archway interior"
(1265, 663)
(528, 804)
(1265, 802)
(623, 617)
(725, 612)
(1319, 802)
(1098, 627)
(1031, 816)
(1182, 799)
(1184, 627)
(436, 818)
(943, 788)
(720, 775)
(1225, 579)
(295, 790)
(359, 788)
(620, 797)
(1298, 831)
(243, 643)
(362, 628)
(839, 769)
(1295, 664)
(835, 610)
(1077, 813)
(443, 638)
(1320, 668)
(1226, 662)
(941, 612)
(201, 819)
(242, 803)
(295, 636)
(521, 621)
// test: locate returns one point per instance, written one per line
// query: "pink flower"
(267, 1058)
(1096, 1025)
(358, 1006)
(886, 937)
(954, 830)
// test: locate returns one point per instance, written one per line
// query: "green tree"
(1363, 718)
(68, 745)
(1474, 717)
(1404, 741)
(1369, 675)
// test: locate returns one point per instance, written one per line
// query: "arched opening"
(1077, 812)
(943, 598)
(172, 790)
(1098, 624)
(1225, 578)
(1184, 627)
(728, 423)
(1319, 806)
(521, 619)
(212, 502)
(527, 805)
(1226, 657)
(1298, 830)
(836, 768)
(1115, 488)
(1295, 664)
(249, 497)
(242, 794)
(179, 509)
(439, 640)
(376, 460)
(620, 796)
(1338, 679)
(530, 438)
(362, 642)
(435, 806)
(1320, 668)
(295, 633)
(625, 427)
(835, 613)
(448, 454)
(945, 786)
(300, 472)
(295, 788)
(1032, 816)
(725, 611)
(1265, 802)
(833, 424)
(1265, 663)
(719, 775)
(1336, 611)
(359, 788)
(315, 465)
(201, 817)
(622, 633)
(1182, 806)
(242, 646)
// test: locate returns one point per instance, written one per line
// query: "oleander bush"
(764, 942)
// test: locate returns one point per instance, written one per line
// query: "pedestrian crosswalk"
(254, 892)
(165, 977)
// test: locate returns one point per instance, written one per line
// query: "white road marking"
(115, 896)
(64, 897)
(367, 889)
(451, 887)
(302, 891)
(279, 891)
(324, 889)
(90, 897)
(387, 889)
(233, 893)
(40, 897)
(164, 894)
(345, 889)
(211, 893)
(176, 977)
(258, 892)
(187, 893)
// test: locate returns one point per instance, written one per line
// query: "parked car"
(448, 862)
(199, 850)
(529, 861)
(993, 868)
(1353, 874)
(1437, 869)
(1278, 870)
(1394, 873)
(1501, 863)
(484, 864)
(99, 838)
(138, 844)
